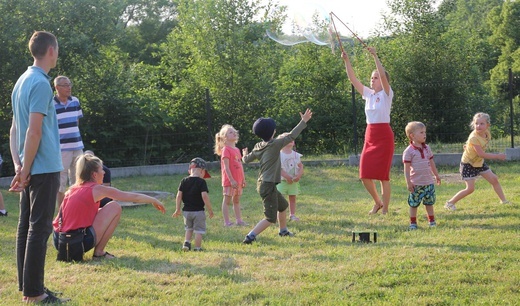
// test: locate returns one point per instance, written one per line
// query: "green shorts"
(424, 194)
(289, 189)
(272, 199)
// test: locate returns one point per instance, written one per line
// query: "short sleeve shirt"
(470, 156)
(235, 165)
(377, 105)
(32, 93)
(192, 188)
(419, 159)
(290, 163)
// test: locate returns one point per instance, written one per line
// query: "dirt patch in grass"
(451, 178)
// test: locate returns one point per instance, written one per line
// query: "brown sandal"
(375, 209)
(106, 255)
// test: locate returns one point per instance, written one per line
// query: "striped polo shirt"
(68, 123)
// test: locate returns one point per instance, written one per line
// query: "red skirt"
(378, 151)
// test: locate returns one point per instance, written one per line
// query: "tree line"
(157, 78)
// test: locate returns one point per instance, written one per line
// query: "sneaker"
(502, 202)
(186, 246)
(294, 218)
(412, 227)
(432, 224)
(248, 240)
(3, 214)
(228, 224)
(242, 223)
(450, 206)
(286, 234)
(49, 292)
(198, 249)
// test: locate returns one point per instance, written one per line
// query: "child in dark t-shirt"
(193, 192)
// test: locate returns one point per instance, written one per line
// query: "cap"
(264, 128)
(200, 163)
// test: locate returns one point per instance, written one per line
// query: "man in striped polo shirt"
(68, 111)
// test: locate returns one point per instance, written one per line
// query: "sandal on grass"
(375, 209)
(106, 255)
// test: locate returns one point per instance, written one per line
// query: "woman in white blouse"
(378, 149)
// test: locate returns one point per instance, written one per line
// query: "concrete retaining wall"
(441, 159)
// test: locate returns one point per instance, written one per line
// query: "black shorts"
(89, 240)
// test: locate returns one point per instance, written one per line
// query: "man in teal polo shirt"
(35, 148)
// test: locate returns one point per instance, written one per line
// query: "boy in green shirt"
(268, 153)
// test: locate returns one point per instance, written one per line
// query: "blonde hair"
(386, 74)
(413, 126)
(220, 138)
(478, 116)
(86, 164)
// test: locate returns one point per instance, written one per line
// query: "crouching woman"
(80, 208)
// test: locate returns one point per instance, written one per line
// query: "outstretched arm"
(381, 70)
(100, 191)
(350, 73)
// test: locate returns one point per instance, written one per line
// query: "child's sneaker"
(286, 234)
(502, 202)
(198, 249)
(248, 240)
(228, 224)
(186, 246)
(412, 227)
(294, 218)
(432, 224)
(450, 206)
(242, 223)
(3, 214)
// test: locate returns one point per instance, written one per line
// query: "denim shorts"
(89, 240)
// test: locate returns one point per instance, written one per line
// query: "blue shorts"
(89, 240)
(426, 194)
(195, 221)
(468, 172)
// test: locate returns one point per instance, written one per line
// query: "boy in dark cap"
(268, 153)
(193, 192)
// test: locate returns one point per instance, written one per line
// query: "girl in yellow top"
(472, 164)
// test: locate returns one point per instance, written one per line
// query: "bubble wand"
(337, 35)
(359, 39)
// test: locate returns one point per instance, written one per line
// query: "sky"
(361, 16)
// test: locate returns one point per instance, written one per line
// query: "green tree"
(505, 24)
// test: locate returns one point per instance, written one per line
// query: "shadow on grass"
(225, 269)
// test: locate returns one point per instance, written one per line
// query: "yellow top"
(470, 156)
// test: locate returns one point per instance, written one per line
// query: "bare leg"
(225, 209)
(371, 188)
(105, 224)
(292, 205)
(188, 235)
(2, 205)
(413, 212)
(282, 219)
(198, 240)
(261, 226)
(236, 208)
(470, 187)
(493, 180)
(385, 192)
(429, 210)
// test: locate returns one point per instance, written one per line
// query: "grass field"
(471, 258)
